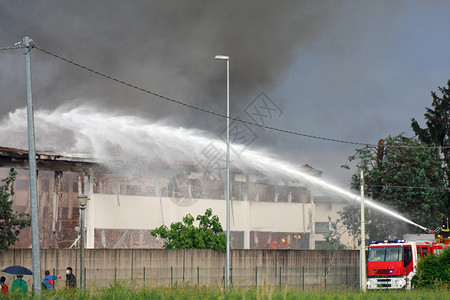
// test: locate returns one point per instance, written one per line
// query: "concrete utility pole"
(362, 249)
(35, 238)
(82, 201)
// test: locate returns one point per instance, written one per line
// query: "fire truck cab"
(391, 264)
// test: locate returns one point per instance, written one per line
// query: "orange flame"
(283, 242)
(274, 245)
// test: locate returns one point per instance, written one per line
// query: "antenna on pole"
(35, 238)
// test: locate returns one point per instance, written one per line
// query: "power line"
(206, 110)
(408, 187)
(193, 106)
(12, 47)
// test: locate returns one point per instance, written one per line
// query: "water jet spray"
(96, 133)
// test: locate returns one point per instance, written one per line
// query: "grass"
(121, 290)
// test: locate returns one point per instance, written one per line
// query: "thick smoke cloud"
(343, 69)
(165, 47)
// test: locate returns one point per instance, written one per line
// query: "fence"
(301, 278)
(303, 269)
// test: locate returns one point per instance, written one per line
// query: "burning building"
(124, 207)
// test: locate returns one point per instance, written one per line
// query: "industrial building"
(127, 199)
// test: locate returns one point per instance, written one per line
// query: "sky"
(348, 70)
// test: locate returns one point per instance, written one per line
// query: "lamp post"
(227, 271)
(82, 201)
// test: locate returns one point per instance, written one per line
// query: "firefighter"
(443, 232)
(445, 229)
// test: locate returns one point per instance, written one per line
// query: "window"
(318, 244)
(322, 227)
(134, 190)
(385, 253)
(393, 254)
(407, 255)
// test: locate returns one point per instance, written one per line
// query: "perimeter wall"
(145, 267)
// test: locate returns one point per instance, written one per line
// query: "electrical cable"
(12, 47)
(408, 187)
(193, 106)
(209, 111)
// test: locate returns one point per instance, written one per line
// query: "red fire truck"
(391, 264)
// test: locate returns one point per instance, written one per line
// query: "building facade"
(128, 199)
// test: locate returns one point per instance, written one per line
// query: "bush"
(184, 235)
(433, 271)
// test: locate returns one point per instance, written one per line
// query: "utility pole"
(35, 238)
(362, 248)
(82, 201)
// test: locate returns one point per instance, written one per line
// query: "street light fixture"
(82, 201)
(227, 272)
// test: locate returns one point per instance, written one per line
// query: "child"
(49, 280)
(3, 285)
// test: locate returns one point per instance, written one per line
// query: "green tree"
(184, 235)
(10, 222)
(437, 131)
(402, 175)
(333, 237)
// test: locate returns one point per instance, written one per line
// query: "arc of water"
(139, 137)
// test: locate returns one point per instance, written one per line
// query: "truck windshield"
(385, 253)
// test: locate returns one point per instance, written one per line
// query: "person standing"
(3, 285)
(19, 284)
(71, 280)
(49, 280)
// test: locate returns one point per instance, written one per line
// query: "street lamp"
(227, 272)
(82, 201)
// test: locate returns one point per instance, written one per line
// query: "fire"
(274, 245)
(284, 242)
(279, 245)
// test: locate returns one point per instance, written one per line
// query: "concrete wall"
(300, 268)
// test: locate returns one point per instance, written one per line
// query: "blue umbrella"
(17, 270)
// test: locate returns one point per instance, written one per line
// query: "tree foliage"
(433, 271)
(10, 222)
(333, 237)
(401, 175)
(184, 235)
(437, 131)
